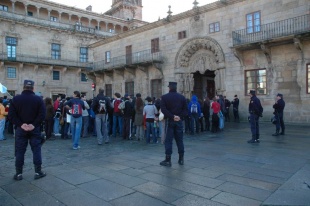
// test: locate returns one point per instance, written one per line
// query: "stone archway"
(199, 55)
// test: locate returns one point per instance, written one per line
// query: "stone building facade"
(227, 47)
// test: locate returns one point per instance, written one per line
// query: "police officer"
(27, 112)
(278, 112)
(173, 106)
(256, 111)
(235, 104)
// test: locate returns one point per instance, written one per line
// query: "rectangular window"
(129, 54)
(112, 31)
(29, 13)
(108, 90)
(11, 92)
(56, 75)
(53, 18)
(256, 80)
(129, 88)
(83, 54)
(96, 27)
(4, 8)
(56, 51)
(11, 73)
(83, 77)
(182, 35)
(214, 27)
(308, 78)
(155, 45)
(253, 22)
(11, 43)
(107, 57)
(156, 88)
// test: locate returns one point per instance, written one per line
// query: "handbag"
(161, 116)
(61, 120)
(274, 120)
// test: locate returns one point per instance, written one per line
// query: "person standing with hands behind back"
(173, 106)
(256, 111)
(278, 112)
(27, 112)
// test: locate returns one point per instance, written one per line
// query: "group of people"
(129, 116)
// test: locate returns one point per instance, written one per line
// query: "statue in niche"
(199, 65)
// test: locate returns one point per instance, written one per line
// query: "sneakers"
(39, 175)
(75, 148)
(18, 177)
(253, 141)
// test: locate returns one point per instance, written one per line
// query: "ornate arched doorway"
(199, 67)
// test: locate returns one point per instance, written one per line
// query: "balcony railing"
(137, 58)
(287, 27)
(45, 60)
(52, 24)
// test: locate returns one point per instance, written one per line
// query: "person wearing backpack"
(117, 115)
(76, 107)
(150, 112)
(256, 111)
(194, 112)
(127, 116)
(100, 107)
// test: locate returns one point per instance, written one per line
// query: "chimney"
(89, 8)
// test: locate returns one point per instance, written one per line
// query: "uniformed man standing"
(173, 106)
(27, 112)
(278, 112)
(256, 111)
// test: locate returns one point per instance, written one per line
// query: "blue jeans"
(101, 128)
(21, 142)
(119, 120)
(254, 125)
(174, 130)
(194, 121)
(56, 125)
(76, 127)
(85, 125)
(150, 129)
(2, 124)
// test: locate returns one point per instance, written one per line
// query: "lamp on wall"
(43, 83)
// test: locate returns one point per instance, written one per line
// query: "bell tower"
(126, 9)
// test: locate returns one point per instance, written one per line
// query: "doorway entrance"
(204, 84)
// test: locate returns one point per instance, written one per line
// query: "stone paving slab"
(219, 169)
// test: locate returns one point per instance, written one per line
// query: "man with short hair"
(235, 104)
(256, 111)
(278, 112)
(117, 115)
(27, 112)
(173, 106)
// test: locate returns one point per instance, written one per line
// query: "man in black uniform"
(173, 106)
(27, 112)
(278, 112)
(235, 104)
(256, 111)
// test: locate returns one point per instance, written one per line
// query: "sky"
(152, 9)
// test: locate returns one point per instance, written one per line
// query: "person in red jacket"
(215, 119)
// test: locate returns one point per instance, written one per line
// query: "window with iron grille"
(56, 75)
(256, 80)
(108, 90)
(11, 43)
(83, 77)
(129, 88)
(156, 88)
(155, 45)
(214, 27)
(83, 54)
(11, 73)
(56, 51)
(253, 22)
(182, 35)
(53, 18)
(107, 57)
(4, 8)
(308, 78)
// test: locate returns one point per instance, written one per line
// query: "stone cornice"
(178, 17)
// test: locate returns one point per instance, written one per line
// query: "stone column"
(69, 18)
(38, 12)
(106, 27)
(13, 6)
(98, 25)
(49, 15)
(59, 17)
(26, 9)
(89, 23)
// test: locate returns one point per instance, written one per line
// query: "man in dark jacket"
(256, 111)
(278, 112)
(235, 104)
(100, 106)
(27, 112)
(173, 106)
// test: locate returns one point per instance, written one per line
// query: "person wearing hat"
(235, 104)
(256, 111)
(27, 112)
(173, 106)
(278, 112)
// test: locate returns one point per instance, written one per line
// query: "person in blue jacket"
(194, 113)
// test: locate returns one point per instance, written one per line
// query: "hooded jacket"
(194, 101)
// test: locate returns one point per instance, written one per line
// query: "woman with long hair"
(139, 105)
(49, 118)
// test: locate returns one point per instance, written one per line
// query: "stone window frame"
(308, 78)
(13, 73)
(4, 8)
(130, 87)
(107, 55)
(156, 92)
(53, 19)
(84, 54)
(55, 53)
(214, 27)
(29, 13)
(11, 45)
(83, 78)
(254, 28)
(108, 90)
(257, 90)
(154, 45)
(59, 75)
(182, 35)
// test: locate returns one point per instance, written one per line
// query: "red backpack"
(117, 102)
